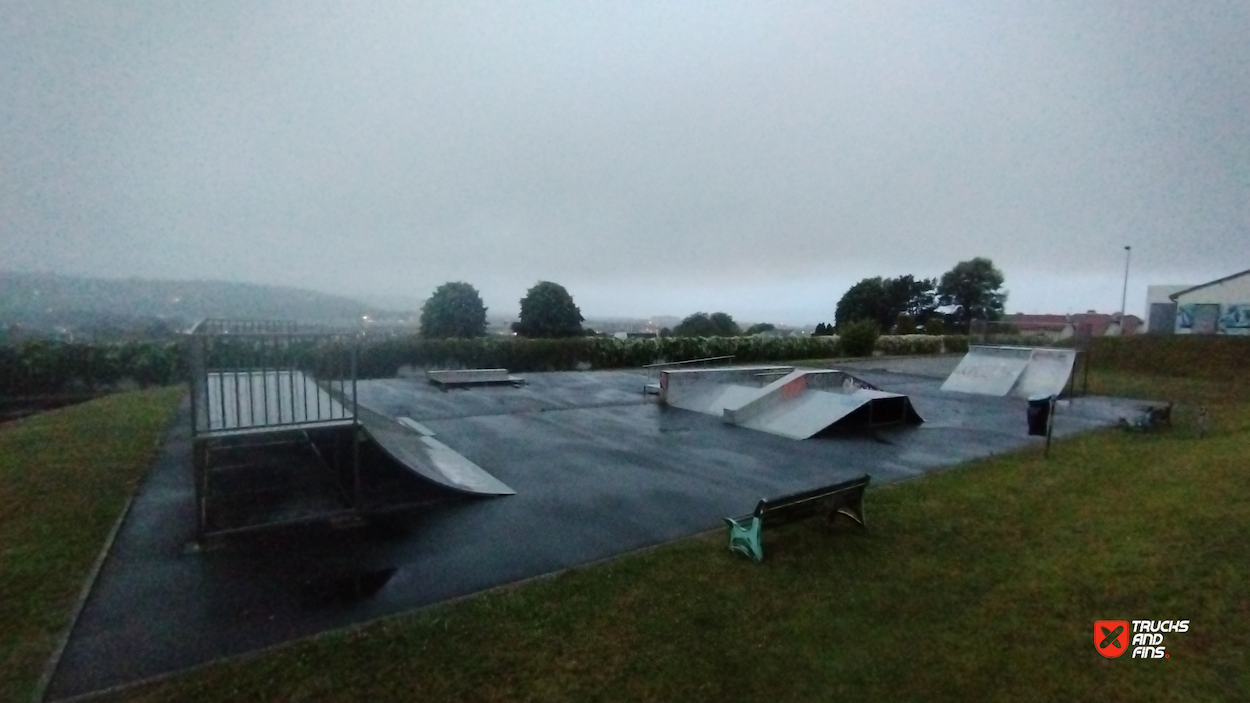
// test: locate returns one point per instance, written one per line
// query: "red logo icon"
(1111, 637)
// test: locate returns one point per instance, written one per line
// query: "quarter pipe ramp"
(1018, 371)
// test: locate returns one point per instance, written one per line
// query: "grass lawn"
(64, 477)
(974, 584)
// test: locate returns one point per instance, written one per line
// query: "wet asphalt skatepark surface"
(598, 470)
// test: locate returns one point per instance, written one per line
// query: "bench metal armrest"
(746, 539)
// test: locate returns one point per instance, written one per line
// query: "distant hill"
(44, 300)
(393, 303)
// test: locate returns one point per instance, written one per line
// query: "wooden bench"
(846, 498)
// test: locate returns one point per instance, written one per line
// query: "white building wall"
(1232, 297)
(1162, 295)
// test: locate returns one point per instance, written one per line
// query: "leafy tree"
(547, 310)
(904, 324)
(760, 327)
(823, 330)
(882, 300)
(701, 324)
(454, 310)
(975, 286)
(934, 326)
(863, 301)
(696, 325)
(859, 338)
(911, 296)
(666, 332)
(725, 325)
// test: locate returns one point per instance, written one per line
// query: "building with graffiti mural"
(1221, 306)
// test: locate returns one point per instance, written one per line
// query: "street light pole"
(1128, 253)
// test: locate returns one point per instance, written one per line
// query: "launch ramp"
(410, 444)
(799, 404)
(807, 402)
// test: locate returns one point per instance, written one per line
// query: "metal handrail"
(688, 361)
(663, 364)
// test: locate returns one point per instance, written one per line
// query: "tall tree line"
(972, 290)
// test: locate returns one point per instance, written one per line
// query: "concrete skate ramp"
(807, 402)
(427, 457)
(784, 401)
(711, 391)
(1017, 371)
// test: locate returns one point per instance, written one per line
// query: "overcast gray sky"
(655, 158)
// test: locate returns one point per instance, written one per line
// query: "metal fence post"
(355, 431)
(1050, 424)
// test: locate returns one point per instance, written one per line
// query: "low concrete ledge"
(466, 377)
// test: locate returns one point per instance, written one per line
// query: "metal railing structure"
(224, 326)
(653, 387)
(260, 391)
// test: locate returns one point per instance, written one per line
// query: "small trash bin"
(1038, 414)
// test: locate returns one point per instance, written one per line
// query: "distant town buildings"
(1064, 326)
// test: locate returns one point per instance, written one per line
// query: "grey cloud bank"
(654, 158)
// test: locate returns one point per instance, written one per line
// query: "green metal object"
(747, 541)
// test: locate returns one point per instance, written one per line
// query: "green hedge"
(1025, 340)
(955, 343)
(44, 367)
(37, 368)
(909, 344)
(383, 359)
(1188, 356)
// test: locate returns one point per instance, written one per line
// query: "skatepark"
(497, 483)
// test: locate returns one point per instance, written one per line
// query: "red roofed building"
(1064, 326)
(1103, 323)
